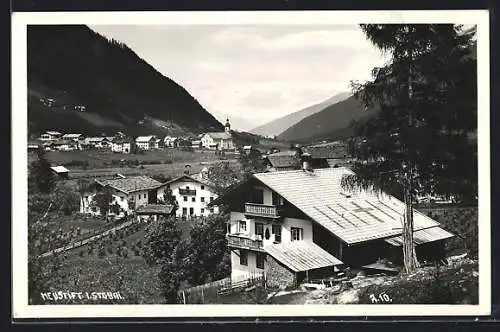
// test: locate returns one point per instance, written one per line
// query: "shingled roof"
(284, 160)
(354, 217)
(131, 184)
(220, 135)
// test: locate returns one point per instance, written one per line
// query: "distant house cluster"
(121, 143)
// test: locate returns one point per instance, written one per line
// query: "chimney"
(187, 169)
(306, 162)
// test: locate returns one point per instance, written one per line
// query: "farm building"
(96, 143)
(128, 193)
(61, 171)
(154, 211)
(301, 224)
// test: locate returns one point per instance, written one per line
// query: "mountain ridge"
(278, 126)
(73, 65)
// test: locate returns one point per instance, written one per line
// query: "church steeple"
(227, 126)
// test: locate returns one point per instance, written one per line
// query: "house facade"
(121, 145)
(128, 193)
(169, 142)
(145, 142)
(193, 194)
(50, 136)
(96, 143)
(300, 224)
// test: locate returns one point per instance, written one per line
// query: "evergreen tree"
(418, 142)
(41, 176)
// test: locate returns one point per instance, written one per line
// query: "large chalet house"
(193, 194)
(219, 140)
(300, 224)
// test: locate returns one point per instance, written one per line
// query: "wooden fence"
(214, 291)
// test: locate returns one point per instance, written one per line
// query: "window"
(211, 199)
(211, 210)
(203, 199)
(243, 257)
(185, 198)
(259, 229)
(242, 226)
(193, 199)
(260, 260)
(184, 211)
(297, 233)
(191, 211)
(202, 187)
(202, 210)
(144, 196)
(187, 187)
(277, 233)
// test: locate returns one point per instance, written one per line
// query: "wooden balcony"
(187, 192)
(240, 242)
(262, 210)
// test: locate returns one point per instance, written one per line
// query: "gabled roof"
(186, 177)
(59, 169)
(72, 135)
(327, 150)
(422, 236)
(353, 217)
(131, 184)
(301, 255)
(95, 139)
(52, 132)
(284, 159)
(144, 139)
(219, 135)
(159, 209)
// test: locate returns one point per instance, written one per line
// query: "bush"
(80, 253)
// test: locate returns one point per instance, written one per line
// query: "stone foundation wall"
(277, 275)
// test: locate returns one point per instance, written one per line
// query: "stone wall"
(277, 275)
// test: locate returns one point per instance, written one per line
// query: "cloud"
(259, 72)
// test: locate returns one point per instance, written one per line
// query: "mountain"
(278, 126)
(71, 65)
(332, 122)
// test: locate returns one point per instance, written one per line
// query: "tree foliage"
(428, 107)
(40, 175)
(208, 250)
(103, 201)
(223, 176)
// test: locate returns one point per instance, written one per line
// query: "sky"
(253, 72)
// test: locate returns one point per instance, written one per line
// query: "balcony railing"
(261, 210)
(236, 241)
(187, 192)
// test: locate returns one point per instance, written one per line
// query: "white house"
(145, 142)
(196, 144)
(128, 193)
(301, 224)
(218, 140)
(192, 193)
(169, 141)
(50, 135)
(121, 145)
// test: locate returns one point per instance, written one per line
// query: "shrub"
(80, 253)
(101, 252)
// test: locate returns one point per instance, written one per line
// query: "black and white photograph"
(320, 163)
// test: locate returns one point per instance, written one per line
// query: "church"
(219, 140)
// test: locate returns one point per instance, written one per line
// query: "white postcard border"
(21, 309)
